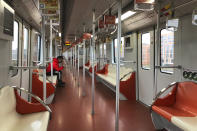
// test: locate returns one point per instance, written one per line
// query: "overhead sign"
(101, 23)
(67, 43)
(48, 4)
(109, 20)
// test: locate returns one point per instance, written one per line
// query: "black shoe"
(60, 84)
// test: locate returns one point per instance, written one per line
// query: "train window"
(115, 49)
(101, 50)
(167, 50)
(105, 51)
(39, 47)
(25, 46)
(146, 51)
(15, 44)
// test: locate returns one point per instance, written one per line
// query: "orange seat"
(180, 102)
(37, 87)
(127, 88)
(88, 63)
(103, 71)
(95, 68)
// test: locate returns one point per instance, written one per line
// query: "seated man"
(56, 70)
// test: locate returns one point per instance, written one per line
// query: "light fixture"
(60, 34)
(126, 15)
(194, 17)
(144, 5)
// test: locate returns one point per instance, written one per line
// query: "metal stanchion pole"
(157, 50)
(43, 59)
(51, 49)
(78, 65)
(84, 51)
(92, 57)
(118, 65)
(75, 61)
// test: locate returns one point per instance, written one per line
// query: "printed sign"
(109, 20)
(49, 4)
(101, 24)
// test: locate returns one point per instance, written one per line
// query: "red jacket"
(55, 66)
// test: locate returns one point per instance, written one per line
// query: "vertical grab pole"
(75, 61)
(84, 51)
(92, 57)
(70, 59)
(43, 59)
(51, 53)
(118, 65)
(157, 49)
(78, 64)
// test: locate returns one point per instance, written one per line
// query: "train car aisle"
(72, 111)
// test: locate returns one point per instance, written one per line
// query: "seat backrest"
(7, 100)
(186, 96)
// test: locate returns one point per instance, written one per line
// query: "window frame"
(141, 52)
(165, 72)
(17, 47)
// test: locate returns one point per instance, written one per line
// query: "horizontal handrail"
(103, 58)
(26, 67)
(127, 61)
(177, 67)
(126, 75)
(34, 96)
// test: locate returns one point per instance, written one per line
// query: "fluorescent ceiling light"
(60, 34)
(126, 15)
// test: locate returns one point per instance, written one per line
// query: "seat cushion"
(168, 112)
(185, 123)
(32, 122)
(49, 78)
(10, 120)
(29, 122)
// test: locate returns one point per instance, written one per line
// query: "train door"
(146, 65)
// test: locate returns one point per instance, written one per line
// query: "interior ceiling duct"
(79, 12)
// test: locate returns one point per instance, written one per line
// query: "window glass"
(121, 49)
(25, 46)
(39, 47)
(167, 50)
(146, 51)
(105, 50)
(101, 50)
(15, 44)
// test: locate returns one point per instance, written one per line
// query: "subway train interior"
(98, 65)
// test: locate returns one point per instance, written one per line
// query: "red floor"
(72, 111)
